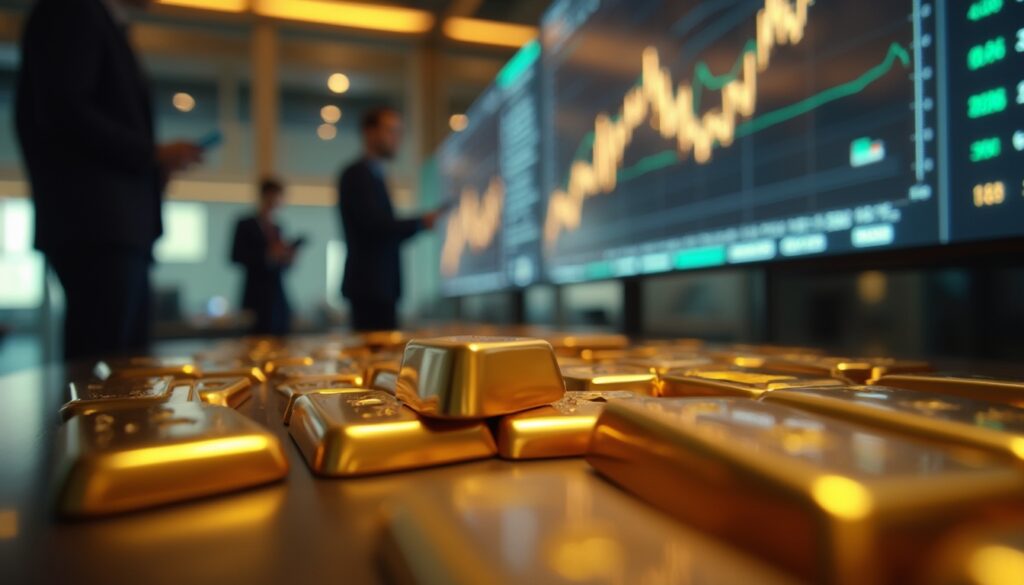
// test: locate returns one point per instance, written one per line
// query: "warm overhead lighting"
(218, 5)
(378, 17)
(488, 32)
(331, 114)
(326, 131)
(183, 102)
(458, 122)
(338, 83)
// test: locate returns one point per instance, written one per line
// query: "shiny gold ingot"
(856, 370)
(383, 375)
(732, 383)
(561, 429)
(985, 425)
(232, 368)
(291, 391)
(662, 363)
(371, 432)
(536, 525)
(381, 362)
(980, 388)
(990, 554)
(384, 340)
(230, 392)
(146, 367)
(92, 396)
(593, 378)
(826, 500)
(574, 343)
(126, 459)
(478, 377)
(344, 371)
(277, 360)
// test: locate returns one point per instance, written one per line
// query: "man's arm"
(366, 215)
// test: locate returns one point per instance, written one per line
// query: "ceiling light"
(458, 122)
(488, 32)
(183, 102)
(330, 114)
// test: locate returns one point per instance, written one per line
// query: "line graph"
(671, 111)
(473, 224)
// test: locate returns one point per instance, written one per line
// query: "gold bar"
(383, 363)
(732, 383)
(856, 370)
(992, 389)
(292, 390)
(91, 396)
(231, 368)
(128, 459)
(552, 526)
(662, 363)
(574, 343)
(277, 360)
(825, 500)
(561, 429)
(478, 377)
(344, 371)
(384, 340)
(230, 392)
(371, 432)
(593, 378)
(383, 375)
(980, 424)
(148, 367)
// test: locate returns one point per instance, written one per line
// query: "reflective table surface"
(305, 529)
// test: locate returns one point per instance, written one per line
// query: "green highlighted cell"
(700, 257)
(986, 103)
(519, 63)
(983, 9)
(987, 53)
(986, 148)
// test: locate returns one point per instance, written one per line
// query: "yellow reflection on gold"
(188, 452)
(996, 565)
(586, 557)
(842, 497)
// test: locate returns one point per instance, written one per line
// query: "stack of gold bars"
(757, 464)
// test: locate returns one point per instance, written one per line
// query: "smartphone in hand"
(210, 140)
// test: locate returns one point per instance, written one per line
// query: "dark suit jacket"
(373, 235)
(85, 126)
(264, 291)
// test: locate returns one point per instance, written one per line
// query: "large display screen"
(490, 174)
(683, 134)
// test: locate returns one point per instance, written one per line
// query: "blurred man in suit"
(86, 133)
(372, 281)
(261, 250)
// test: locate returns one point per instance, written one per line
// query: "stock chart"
(490, 172)
(674, 135)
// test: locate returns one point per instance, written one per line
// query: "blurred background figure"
(261, 250)
(85, 126)
(372, 280)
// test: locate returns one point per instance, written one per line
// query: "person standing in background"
(372, 280)
(260, 249)
(85, 127)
